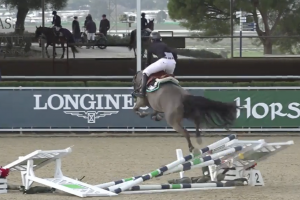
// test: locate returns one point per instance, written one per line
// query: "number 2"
(257, 178)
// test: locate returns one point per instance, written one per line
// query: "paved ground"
(109, 52)
(106, 159)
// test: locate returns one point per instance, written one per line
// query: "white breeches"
(91, 36)
(163, 64)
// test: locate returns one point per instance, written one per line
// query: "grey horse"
(177, 104)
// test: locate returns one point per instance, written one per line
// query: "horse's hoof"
(199, 140)
(143, 114)
(156, 118)
(196, 152)
(191, 149)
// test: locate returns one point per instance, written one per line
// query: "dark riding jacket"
(159, 49)
(56, 21)
(144, 23)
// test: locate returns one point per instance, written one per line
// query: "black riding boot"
(144, 86)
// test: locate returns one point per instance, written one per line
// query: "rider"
(56, 22)
(144, 22)
(166, 60)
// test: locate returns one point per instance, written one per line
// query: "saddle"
(157, 79)
(158, 75)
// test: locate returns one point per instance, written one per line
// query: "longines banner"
(72, 108)
(112, 108)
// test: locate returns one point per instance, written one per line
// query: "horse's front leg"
(156, 116)
(46, 50)
(63, 47)
(134, 52)
(140, 102)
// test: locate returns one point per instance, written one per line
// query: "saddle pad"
(156, 86)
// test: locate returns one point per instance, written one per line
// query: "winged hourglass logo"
(91, 116)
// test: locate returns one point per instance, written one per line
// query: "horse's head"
(137, 83)
(151, 25)
(38, 31)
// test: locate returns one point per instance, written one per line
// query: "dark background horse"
(52, 39)
(145, 38)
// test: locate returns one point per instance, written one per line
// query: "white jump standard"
(37, 159)
(3, 186)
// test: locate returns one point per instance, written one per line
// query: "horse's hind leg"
(63, 47)
(73, 52)
(198, 133)
(178, 128)
(175, 122)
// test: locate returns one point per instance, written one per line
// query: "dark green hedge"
(114, 39)
(198, 53)
(129, 84)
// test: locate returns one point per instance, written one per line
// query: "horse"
(52, 39)
(145, 37)
(178, 104)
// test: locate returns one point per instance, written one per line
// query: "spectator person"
(104, 25)
(76, 29)
(87, 19)
(91, 30)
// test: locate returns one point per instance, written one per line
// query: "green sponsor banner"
(262, 108)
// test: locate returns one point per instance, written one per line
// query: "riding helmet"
(143, 14)
(155, 36)
(54, 12)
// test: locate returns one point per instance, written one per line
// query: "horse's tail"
(131, 41)
(209, 112)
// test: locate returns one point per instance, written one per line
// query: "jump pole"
(175, 186)
(201, 162)
(178, 190)
(127, 185)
